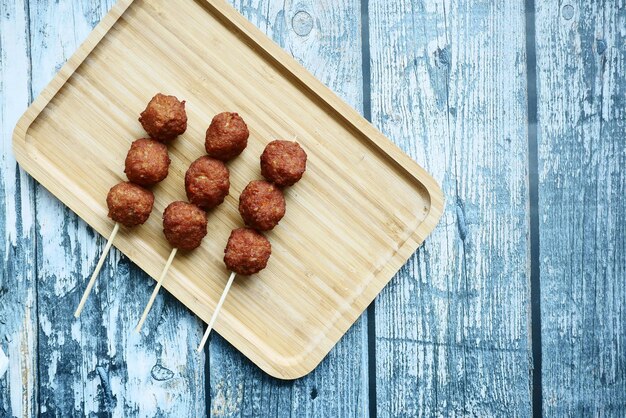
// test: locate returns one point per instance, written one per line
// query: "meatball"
(184, 225)
(247, 251)
(207, 182)
(147, 162)
(129, 204)
(227, 136)
(283, 162)
(164, 118)
(261, 205)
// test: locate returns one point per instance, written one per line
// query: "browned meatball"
(129, 204)
(207, 182)
(261, 205)
(147, 162)
(227, 136)
(283, 162)
(184, 225)
(164, 118)
(247, 251)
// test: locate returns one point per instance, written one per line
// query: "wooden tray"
(361, 210)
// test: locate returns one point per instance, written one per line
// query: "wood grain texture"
(364, 208)
(18, 309)
(324, 36)
(581, 62)
(97, 364)
(452, 328)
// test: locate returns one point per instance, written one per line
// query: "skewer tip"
(96, 271)
(155, 291)
(205, 337)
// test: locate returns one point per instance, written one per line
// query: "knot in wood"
(567, 11)
(302, 23)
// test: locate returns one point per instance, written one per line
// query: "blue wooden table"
(515, 305)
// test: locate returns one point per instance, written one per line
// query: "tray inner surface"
(350, 222)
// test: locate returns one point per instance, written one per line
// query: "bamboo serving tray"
(362, 208)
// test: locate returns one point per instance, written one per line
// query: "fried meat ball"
(207, 182)
(164, 118)
(184, 225)
(283, 162)
(247, 251)
(147, 162)
(129, 204)
(261, 205)
(227, 136)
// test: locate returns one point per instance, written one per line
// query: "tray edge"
(61, 77)
(308, 81)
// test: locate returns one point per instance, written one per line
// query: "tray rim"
(229, 15)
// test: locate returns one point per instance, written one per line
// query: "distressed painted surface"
(18, 309)
(452, 328)
(448, 84)
(97, 364)
(325, 37)
(581, 67)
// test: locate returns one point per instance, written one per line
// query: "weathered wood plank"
(581, 62)
(98, 365)
(452, 328)
(325, 37)
(18, 337)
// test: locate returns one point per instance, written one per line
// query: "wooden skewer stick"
(155, 292)
(231, 279)
(96, 271)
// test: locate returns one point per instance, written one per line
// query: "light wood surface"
(325, 36)
(360, 212)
